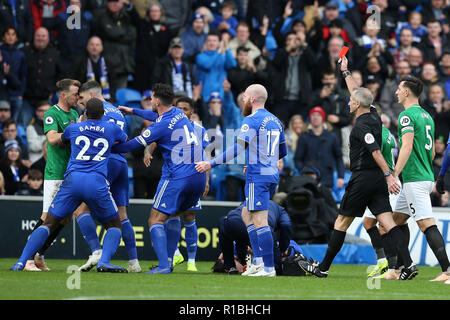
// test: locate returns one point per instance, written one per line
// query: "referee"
(369, 185)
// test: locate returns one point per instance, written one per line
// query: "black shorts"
(366, 188)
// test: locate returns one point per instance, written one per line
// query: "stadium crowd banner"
(19, 214)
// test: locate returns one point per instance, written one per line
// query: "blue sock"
(110, 244)
(257, 259)
(159, 242)
(191, 237)
(173, 230)
(265, 242)
(129, 239)
(88, 230)
(34, 243)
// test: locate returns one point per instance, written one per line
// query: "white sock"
(257, 261)
(191, 260)
(381, 260)
(177, 252)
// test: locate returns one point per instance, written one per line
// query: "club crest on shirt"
(146, 133)
(369, 138)
(245, 128)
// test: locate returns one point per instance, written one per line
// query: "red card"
(343, 52)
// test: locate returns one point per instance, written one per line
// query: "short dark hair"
(213, 33)
(9, 122)
(35, 174)
(186, 100)
(89, 85)
(7, 29)
(94, 109)
(65, 84)
(164, 93)
(414, 84)
(434, 20)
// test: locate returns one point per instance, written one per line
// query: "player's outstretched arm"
(228, 155)
(126, 147)
(146, 114)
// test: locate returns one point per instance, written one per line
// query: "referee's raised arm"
(346, 74)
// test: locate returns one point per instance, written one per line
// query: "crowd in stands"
(210, 51)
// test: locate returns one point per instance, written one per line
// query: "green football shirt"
(419, 166)
(57, 156)
(388, 147)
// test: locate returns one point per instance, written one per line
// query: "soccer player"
(366, 160)
(415, 163)
(56, 119)
(262, 136)
(118, 180)
(182, 185)
(444, 168)
(85, 181)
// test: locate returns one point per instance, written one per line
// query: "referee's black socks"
(334, 246)
(396, 238)
(436, 242)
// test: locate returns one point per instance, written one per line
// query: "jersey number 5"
(429, 145)
(87, 144)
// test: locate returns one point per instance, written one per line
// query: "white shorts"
(414, 200)
(392, 200)
(51, 187)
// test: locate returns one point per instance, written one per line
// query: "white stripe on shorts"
(161, 192)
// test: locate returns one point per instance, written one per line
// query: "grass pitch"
(345, 282)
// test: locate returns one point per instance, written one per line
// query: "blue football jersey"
(114, 115)
(264, 134)
(179, 145)
(91, 143)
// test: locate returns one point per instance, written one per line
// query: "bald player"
(262, 137)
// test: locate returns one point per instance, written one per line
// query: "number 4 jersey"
(420, 163)
(91, 143)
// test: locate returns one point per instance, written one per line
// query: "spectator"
(8, 82)
(415, 59)
(213, 64)
(177, 14)
(153, 39)
(71, 39)
(118, 33)
(434, 103)
(242, 39)
(439, 146)
(208, 17)
(14, 59)
(319, 145)
(5, 112)
(434, 10)
(12, 168)
(2, 185)
(232, 113)
(401, 52)
(215, 6)
(194, 37)
(225, 21)
(442, 122)
(332, 102)
(43, 71)
(387, 18)
(292, 134)
(10, 132)
(175, 71)
(40, 164)
(292, 79)
(434, 44)
(35, 132)
(327, 60)
(45, 10)
(95, 6)
(34, 184)
(444, 71)
(211, 113)
(375, 69)
(388, 99)
(415, 24)
(92, 65)
(429, 76)
(18, 15)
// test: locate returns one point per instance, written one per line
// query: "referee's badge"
(146, 133)
(405, 120)
(369, 138)
(49, 120)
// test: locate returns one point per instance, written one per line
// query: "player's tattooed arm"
(54, 138)
(148, 154)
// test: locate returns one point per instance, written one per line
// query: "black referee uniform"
(367, 186)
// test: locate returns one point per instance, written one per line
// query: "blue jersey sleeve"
(120, 135)
(146, 114)
(68, 131)
(205, 138)
(248, 130)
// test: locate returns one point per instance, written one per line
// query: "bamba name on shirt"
(175, 119)
(92, 128)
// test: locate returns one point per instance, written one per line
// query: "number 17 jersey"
(419, 166)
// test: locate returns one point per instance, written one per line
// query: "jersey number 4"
(87, 144)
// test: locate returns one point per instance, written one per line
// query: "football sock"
(334, 246)
(177, 252)
(36, 240)
(390, 251)
(159, 241)
(37, 225)
(173, 230)
(265, 243)
(191, 237)
(129, 239)
(257, 258)
(396, 238)
(110, 244)
(437, 244)
(405, 229)
(50, 239)
(88, 230)
(377, 243)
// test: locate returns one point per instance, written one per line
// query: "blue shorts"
(258, 194)
(118, 181)
(180, 194)
(91, 188)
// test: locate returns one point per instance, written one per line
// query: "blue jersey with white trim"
(114, 115)
(91, 143)
(264, 134)
(179, 145)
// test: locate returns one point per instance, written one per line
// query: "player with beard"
(262, 136)
(56, 119)
(366, 160)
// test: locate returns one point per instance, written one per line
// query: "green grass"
(345, 282)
